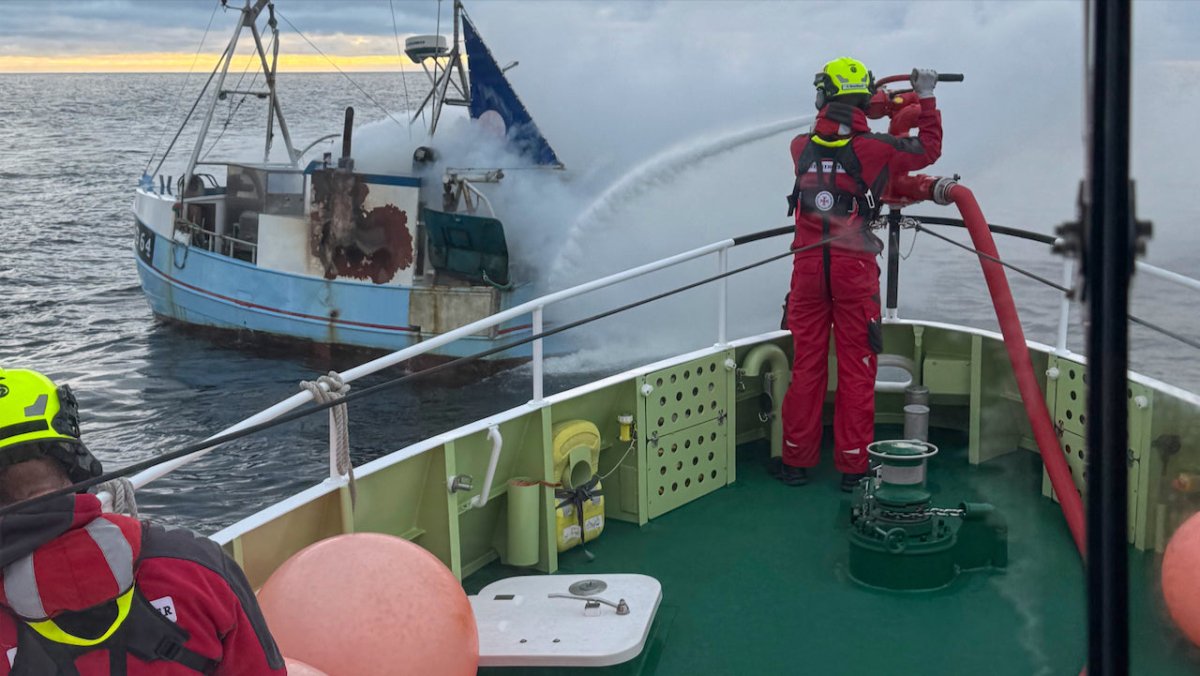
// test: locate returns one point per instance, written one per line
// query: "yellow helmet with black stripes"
(40, 419)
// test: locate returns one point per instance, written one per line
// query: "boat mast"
(273, 109)
(441, 81)
(249, 15)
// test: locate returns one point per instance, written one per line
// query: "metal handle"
(621, 607)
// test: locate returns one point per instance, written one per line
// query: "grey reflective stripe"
(20, 588)
(117, 552)
(37, 408)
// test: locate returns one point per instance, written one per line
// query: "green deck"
(754, 582)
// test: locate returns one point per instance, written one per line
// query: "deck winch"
(899, 541)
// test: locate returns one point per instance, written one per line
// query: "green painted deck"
(754, 582)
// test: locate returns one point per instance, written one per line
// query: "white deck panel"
(519, 625)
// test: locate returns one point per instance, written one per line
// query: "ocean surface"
(73, 147)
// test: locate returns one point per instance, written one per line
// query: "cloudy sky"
(162, 35)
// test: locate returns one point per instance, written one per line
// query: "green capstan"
(899, 541)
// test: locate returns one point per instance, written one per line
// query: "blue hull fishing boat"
(313, 250)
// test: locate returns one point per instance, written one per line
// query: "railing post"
(1064, 308)
(722, 295)
(537, 354)
(893, 263)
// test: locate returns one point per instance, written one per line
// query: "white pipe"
(482, 196)
(1064, 309)
(1169, 276)
(537, 355)
(497, 443)
(300, 398)
(722, 295)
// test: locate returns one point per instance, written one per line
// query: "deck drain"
(587, 587)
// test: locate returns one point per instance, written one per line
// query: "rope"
(339, 70)
(335, 390)
(124, 501)
(1070, 292)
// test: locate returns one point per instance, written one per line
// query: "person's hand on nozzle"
(923, 81)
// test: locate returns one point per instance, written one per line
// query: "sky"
(162, 35)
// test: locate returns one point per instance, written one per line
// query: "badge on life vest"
(824, 200)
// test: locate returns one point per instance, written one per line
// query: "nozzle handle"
(950, 77)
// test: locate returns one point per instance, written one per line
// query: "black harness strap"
(813, 159)
(144, 633)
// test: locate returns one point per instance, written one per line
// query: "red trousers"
(848, 298)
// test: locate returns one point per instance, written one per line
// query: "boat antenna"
(443, 75)
(400, 54)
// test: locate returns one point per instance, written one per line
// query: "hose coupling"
(941, 189)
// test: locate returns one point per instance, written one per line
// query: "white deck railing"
(535, 308)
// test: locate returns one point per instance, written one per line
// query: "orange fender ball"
(1181, 578)
(368, 603)
(298, 668)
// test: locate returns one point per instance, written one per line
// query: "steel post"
(537, 354)
(1108, 255)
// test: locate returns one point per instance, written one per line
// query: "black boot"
(793, 476)
(850, 481)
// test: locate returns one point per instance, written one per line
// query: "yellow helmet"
(843, 77)
(38, 419)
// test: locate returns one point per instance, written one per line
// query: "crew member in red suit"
(842, 169)
(86, 593)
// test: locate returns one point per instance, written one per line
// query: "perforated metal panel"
(1070, 418)
(687, 433)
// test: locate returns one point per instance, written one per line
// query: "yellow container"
(576, 445)
(566, 527)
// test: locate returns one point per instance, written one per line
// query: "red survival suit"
(838, 185)
(189, 608)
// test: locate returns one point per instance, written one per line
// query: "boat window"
(285, 194)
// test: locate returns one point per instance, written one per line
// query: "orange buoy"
(298, 668)
(369, 603)
(1181, 578)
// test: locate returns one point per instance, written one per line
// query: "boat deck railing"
(536, 309)
(227, 244)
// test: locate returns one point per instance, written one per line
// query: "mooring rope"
(335, 390)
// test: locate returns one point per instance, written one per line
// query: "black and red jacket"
(845, 173)
(192, 610)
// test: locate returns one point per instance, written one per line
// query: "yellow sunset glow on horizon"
(181, 62)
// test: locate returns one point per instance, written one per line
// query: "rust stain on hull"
(351, 241)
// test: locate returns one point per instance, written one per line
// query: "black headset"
(827, 89)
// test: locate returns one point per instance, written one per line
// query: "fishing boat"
(631, 523)
(315, 250)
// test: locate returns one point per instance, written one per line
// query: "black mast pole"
(1108, 253)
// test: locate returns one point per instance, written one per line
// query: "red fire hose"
(917, 188)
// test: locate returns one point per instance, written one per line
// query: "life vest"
(817, 195)
(144, 632)
(103, 554)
